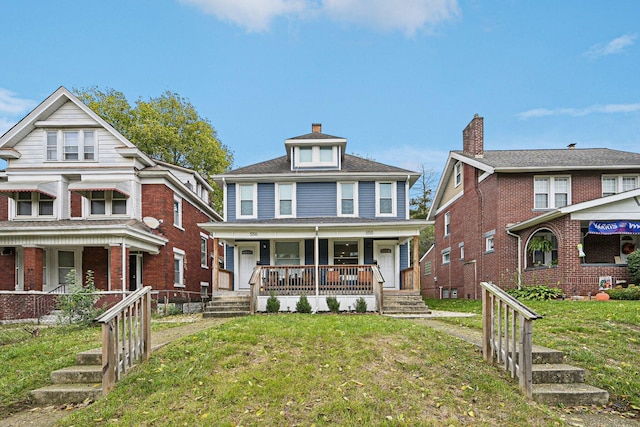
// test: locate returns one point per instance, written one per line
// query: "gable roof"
(281, 166)
(40, 114)
(314, 136)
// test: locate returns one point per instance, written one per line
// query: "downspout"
(406, 198)
(517, 236)
(316, 261)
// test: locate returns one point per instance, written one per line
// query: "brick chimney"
(473, 137)
(316, 127)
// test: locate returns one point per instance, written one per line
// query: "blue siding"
(229, 260)
(402, 199)
(231, 202)
(404, 256)
(316, 199)
(367, 199)
(266, 201)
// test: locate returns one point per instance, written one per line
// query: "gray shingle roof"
(558, 158)
(70, 224)
(350, 164)
(316, 135)
(323, 220)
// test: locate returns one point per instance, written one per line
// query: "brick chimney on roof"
(316, 127)
(473, 137)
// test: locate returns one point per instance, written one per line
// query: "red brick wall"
(157, 201)
(76, 204)
(4, 207)
(8, 272)
(33, 268)
(97, 260)
(22, 305)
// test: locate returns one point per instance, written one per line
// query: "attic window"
(316, 156)
(71, 145)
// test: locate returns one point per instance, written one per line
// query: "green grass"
(602, 337)
(27, 359)
(318, 370)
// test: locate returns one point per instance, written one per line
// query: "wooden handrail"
(126, 336)
(507, 332)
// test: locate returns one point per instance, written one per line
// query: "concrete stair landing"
(403, 304)
(231, 305)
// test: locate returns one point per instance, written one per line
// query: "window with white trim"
(286, 200)
(177, 211)
(107, 203)
(246, 201)
(316, 156)
(447, 223)
(71, 145)
(385, 199)
(178, 268)
(287, 253)
(613, 184)
(33, 204)
(347, 199)
(457, 169)
(552, 192)
(489, 241)
(346, 252)
(446, 256)
(203, 250)
(461, 246)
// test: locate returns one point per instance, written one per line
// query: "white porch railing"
(507, 332)
(126, 336)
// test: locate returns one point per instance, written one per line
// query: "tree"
(420, 201)
(167, 128)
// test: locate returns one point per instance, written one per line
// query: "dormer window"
(72, 145)
(316, 156)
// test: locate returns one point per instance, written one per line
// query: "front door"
(248, 255)
(385, 254)
(135, 272)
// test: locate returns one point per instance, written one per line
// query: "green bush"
(633, 265)
(79, 306)
(361, 305)
(303, 306)
(535, 293)
(333, 304)
(273, 303)
(620, 293)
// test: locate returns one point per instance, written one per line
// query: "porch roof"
(48, 188)
(122, 187)
(309, 228)
(133, 233)
(624, 205)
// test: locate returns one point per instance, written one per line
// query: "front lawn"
(600, 336)
(294, 369)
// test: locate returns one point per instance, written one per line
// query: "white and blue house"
(317, 221)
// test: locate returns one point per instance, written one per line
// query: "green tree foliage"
(167, 128)
(78, 307)
(420, 201)
(633, 265)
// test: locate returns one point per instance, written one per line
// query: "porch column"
(416, 264)
(215, 268)
(32, 260)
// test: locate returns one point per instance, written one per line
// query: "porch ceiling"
(260, 230)
(80, 233)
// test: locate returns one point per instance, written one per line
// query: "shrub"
(79, 307)
(620, 293)
(273, 303)
(361, 305)
(333, 304)
(303, 306)
(535, 293)
(633, 265)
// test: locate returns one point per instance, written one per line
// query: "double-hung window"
(552, 192)
(71, 145)
(613, 184)
(385, 199)
(33, 204)
(247, 197)
(458, 173)
(446, 255)
(178, 268)
(203, 250)
(447, 223)
(107, 202)
(177, 211)
(347, 199)
(285, 200)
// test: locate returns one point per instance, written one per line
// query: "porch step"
(228, 306)
(577, 394)
(58, 394)
(78, 374)
(405, 303)
(557, 374)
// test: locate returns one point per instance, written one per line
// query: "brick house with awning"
(492, 206)
(77, 195)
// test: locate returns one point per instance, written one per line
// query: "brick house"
(77, 195)
(492, 206)
(316, 221)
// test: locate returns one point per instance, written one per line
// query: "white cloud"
(10, 104)
(407, 16)
(615, 46)
(578, 112)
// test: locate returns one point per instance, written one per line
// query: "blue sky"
(399, 79)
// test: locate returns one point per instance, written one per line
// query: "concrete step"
(569, 394)
(77, 374)
(59, 394)
(554, 373)
(90, 357)
(221, 314)
(228, 306)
